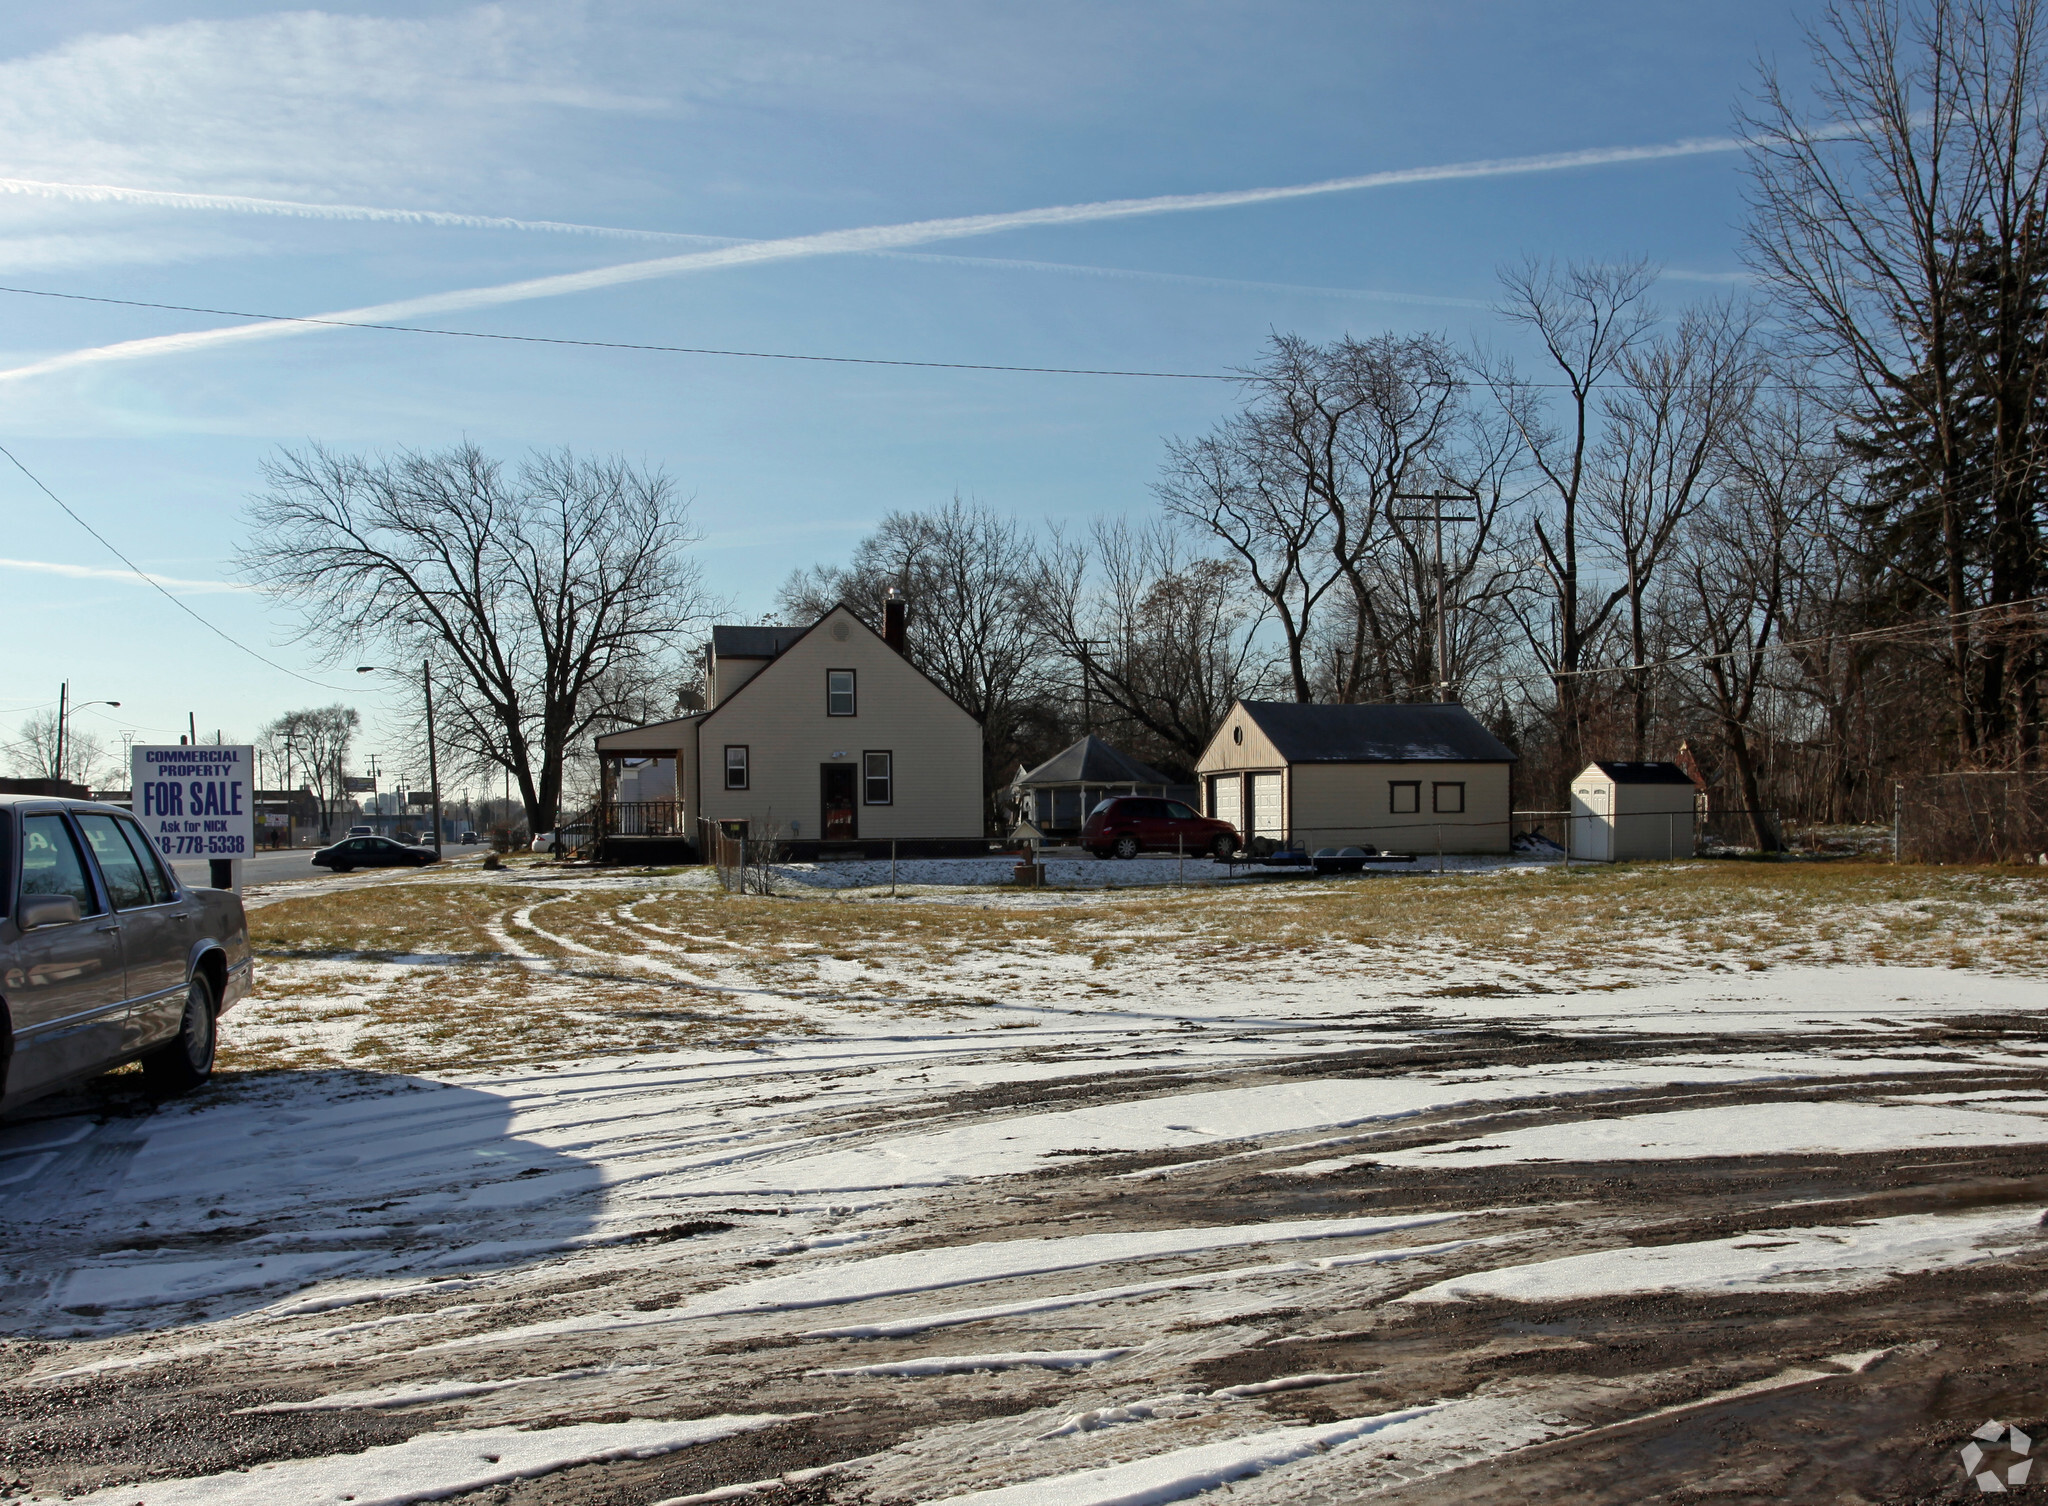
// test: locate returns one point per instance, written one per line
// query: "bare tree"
(1166, 640)
(967, 575)
(1664, 436)
(33, 754)
(1899, 223)
(1587, 318)
(1297, 485)
(312, 746)
(549, 600)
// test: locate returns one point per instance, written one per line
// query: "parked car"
(373, 852)
(361, 831)
(470, 839)
(1130, 824)
(105, 958)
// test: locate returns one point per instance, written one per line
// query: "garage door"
(1227, 800)
(1266, 806)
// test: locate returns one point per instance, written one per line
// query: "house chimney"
(895, 619)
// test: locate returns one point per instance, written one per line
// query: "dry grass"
(443, 972)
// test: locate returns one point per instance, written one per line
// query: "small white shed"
(1623, 811)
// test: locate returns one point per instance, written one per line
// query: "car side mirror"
(39, 910)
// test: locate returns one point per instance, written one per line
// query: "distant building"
(825, 740)
(1056, 797)
(1402, 778)
(1623, 811)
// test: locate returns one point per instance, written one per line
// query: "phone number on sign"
(201, 846)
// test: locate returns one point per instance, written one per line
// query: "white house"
(824, 739)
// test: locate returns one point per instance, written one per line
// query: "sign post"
(198, 803)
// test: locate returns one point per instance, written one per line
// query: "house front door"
(839, 824)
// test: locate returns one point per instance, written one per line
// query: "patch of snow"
(968, 1265)
(1190, 1471)
(1735, 1130)
(1830, 1257)
(427, 1468)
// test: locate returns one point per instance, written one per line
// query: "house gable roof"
(1623, 772)
(1439, 733)
(1092, 761)
(799, 634)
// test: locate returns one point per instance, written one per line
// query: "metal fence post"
(1670, 835)
(1439, 847)
(1181, 854)
(1898, 799)
(892, 868)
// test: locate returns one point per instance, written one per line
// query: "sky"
(688, 174)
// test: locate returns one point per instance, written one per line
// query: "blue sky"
(746, 123)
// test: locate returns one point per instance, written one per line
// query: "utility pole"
(433, 766)
(1436, 516)
(63, 707)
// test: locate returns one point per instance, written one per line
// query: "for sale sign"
(196, 802)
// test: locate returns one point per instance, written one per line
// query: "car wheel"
(1126, 847)
(344, 867)
(186, 1061)
(1225, 846)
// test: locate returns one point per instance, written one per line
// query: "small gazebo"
(1056, 797)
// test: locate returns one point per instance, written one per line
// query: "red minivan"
(1129, 824)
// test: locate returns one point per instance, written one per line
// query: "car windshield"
(1178, 811)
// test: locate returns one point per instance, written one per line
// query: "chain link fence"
(1973, 818)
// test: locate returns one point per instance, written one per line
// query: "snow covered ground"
(544, 1187)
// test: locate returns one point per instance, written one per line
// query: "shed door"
(1266, 806)
(1226, 800)
(1592, 836)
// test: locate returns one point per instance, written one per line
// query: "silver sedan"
(105, 957)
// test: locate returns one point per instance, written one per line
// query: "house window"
(736, 767)
(1450, 799)
(839, 692)
(880, 781)
(1404, 799)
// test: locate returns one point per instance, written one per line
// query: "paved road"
(269, 867)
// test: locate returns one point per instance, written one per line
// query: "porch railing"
(640, 818)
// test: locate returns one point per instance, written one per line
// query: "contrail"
(866, 239)
(108, 193)
(89, 572)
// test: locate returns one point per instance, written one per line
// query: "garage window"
(1450, 799)
(1404, 799)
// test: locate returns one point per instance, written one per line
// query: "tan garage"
(1399, 778)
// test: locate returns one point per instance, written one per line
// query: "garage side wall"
(1352, 804)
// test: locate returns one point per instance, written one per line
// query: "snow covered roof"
(1623, 772)
(1445, 733)
(1092, 761)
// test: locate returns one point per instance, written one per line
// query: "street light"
(433, 765)
(64, 710)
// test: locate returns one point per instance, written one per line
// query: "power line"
(682, 350)
(153, 583)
